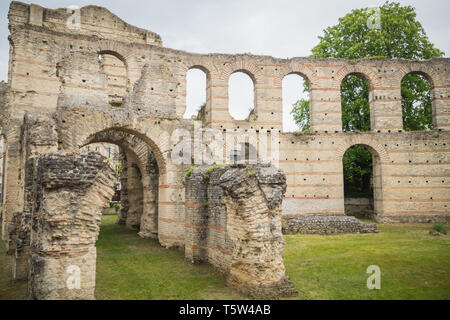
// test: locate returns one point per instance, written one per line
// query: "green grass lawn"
(414, 265)
(129, 267)
(9, 289)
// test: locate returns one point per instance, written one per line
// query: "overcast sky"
(281, 28)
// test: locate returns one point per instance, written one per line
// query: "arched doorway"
(362, 181)
(139, 179)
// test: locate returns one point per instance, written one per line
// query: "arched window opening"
(358, 182)
(355, 104)
(417, 107)
(196, 82)
(241, 95)
(116, 74)
(296, 115)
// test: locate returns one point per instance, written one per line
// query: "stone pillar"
(441, 107)
(124, 203)
(196, 216)
(135, 196)
(253, 198)
(23, 226)
(13, 179)
(386, 110)
(171, 220)
(325, 108)
(150, 186)
(217, 112)
(70, 192)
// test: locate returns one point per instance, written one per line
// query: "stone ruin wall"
(114, 83)
(233, 221)
(70, 191)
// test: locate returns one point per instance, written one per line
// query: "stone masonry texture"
(105, 81)
(234, 222)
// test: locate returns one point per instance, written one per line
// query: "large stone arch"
(361, 139)
(371, 78)
(124, 140)
(114, 48)
(437, 87)
(300, 69)
(368, 74)
(427, 70)
(243, 65)
(142, 154)
(77, 127)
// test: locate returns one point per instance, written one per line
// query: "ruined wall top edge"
(94, 21)
(100, 23)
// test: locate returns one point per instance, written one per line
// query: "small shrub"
(439, 227)
(217, 166)
(188, 173)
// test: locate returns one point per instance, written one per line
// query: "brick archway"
(145, 188)
(77, 128)
(380, 157)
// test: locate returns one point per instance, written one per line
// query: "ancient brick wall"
(327, 225)
(70, 191)
(107, 81)
(233, 221)
(65, 76)
(410, 173)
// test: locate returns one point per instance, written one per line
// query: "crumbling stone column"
(150, 186)
(253, 198)
(196, 217)
(20, 228)
(233, 221)
(13, 181)
(70, 192)
(135, 197)
(124, 203)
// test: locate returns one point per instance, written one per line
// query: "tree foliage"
(300, 112)
(400, 36)
(357, 173)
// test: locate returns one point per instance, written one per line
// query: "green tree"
(400, 36)
(358, 172)
(300, 112)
